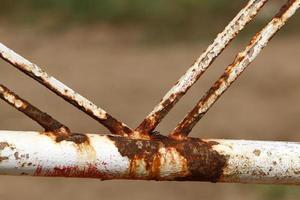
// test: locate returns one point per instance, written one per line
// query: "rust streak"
(69, 95)
(200, 66)
(88, 171)
(233, 71)
(42, 118)
(202, 162)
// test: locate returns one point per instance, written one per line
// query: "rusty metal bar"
(108, 157)
(35, 72)
(233, 71)
(43, 119)
(200, 66)
(151, 157)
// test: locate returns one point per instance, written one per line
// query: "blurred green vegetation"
(170, 18)
(122, 11)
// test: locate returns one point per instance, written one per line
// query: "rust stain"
(202, 162)
(77, 138)
(88, 171)
(42, 118)
(38, 171)
(257, 152)
(199, 67)
(3, 145)
(33, 71)
(231, 73)
(17, 157)
(284, 8)
(212, 95)
(81, 141)
(149, 124)
(2, 158)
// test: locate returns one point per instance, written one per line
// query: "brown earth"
(127, 77)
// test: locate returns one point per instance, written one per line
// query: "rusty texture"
(88, 172)
(42, 118)
(200, 66)
(144, 154)
(200, 162)
(233, 71)
(198, 159)
(35, 72)
(194, 159)
(160, 158)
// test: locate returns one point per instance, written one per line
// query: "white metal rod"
(161, 158)
(201, 65)
(234, 70)
(68, 94)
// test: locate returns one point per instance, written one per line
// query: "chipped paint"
(42, 118)
(145, 154)
(233, 71)
(161, 158)
(201, 65)
(252, 162)
(64, 91)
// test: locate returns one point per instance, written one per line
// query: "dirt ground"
(127, 77)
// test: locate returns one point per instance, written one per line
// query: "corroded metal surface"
(45, 120)
(200, 66)
(147, 155)
(161, 158)
(64, 91)
(233, 71)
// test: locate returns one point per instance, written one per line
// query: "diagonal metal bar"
(233, 71)
(108, 157)
(200, 66)
(43, 119)
(35, 72)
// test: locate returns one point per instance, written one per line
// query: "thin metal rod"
(43, 119)
(113, 157)
(35, 72)
(233, 71)
(200, 66)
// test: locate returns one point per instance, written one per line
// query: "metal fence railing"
(142, 153)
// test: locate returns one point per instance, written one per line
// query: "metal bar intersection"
(141, 154)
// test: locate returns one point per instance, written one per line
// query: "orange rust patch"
(202, 162)
(89, 171)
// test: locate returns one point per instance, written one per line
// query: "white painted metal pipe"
(68, 94)
(161, 158)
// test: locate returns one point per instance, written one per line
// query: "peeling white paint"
(206, 58)
(233, 71)
(260, 161)
(247, 161)
(57, 87)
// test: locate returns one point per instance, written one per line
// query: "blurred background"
(124, 55)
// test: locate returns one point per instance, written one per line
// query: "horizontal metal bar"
(160, 158)
(68, 94)
(200, 66)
